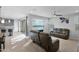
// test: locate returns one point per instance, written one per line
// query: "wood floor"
(21, 43)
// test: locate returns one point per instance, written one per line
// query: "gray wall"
(36, 17)
(73, 20)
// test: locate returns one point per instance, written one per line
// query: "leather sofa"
(35, 36)
(44, 41)
(60, 33)
(47, 43)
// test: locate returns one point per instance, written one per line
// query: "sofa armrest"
(54, 45)
(51, 32)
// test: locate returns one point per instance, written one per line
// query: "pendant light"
(2, 21)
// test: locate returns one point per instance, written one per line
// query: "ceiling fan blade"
(58, 15)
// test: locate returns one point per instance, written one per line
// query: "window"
(38, 24)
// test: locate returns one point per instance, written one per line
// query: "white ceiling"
(47, 11)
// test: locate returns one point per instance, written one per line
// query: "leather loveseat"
(45, 41)
(35, 36)
(60, 33)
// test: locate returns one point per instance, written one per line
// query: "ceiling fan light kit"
(63, 19)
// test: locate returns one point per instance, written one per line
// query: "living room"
(59, 22)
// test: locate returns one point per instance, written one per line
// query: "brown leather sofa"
(47, 43)
(44, 41)
(35, 36)
(60, 33)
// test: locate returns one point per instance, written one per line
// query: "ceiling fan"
(61, 17)
(55, 14)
